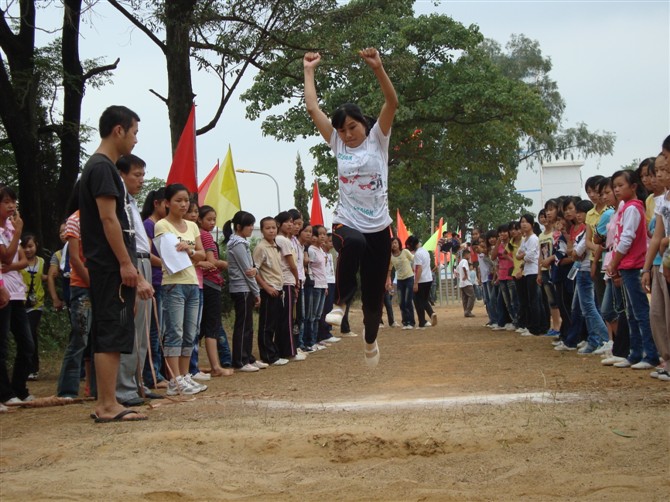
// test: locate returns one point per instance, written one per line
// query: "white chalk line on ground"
(437, 402)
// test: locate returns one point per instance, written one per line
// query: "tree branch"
(100, 69)
(139, 25)
(163, 99)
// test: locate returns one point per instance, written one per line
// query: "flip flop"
(120, 417)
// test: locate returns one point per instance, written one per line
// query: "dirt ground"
(455, 412)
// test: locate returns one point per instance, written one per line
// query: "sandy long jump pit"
(455, 412)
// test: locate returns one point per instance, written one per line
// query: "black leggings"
(370, 255)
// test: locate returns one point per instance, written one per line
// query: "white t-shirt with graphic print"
(363, 182)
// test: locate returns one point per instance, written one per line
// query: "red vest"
(634, 259)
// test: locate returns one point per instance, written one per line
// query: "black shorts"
(210, 325)
(112, 309)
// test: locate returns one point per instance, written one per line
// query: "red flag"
(316, 215)
(204, 186)
(402, 230)
(184, 161)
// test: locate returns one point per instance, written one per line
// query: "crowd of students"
(584, 274)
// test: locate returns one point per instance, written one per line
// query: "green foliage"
(300, 194)
(469, 112)
(149, 185)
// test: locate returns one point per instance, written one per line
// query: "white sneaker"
(188, 378)
(395, 325)
(180, 386)
(351, 334)
(371, 355)
(280, 362)
(498, 328)
(509, 326)
(332, 339)
(611, 361)
(298, 357)
(3, 408)
(581, 344)
(29, 398)
(249, 368)
(408, 326)
(561, 347)
(381, 325)
(316, 347)
(300, 351)
(428, 325)
(525, 332)
(14, 400)
(518, 330)
(642, 365)
(260, 365)
(334, 317)
(201, 376)
(604, 348)
(623, 364)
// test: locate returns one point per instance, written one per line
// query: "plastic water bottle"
(573, 271)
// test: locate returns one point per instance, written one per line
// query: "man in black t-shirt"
(108, 243)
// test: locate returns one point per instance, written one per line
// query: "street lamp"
(269, 176)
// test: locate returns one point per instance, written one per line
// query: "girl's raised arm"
(320, 119)
(372, 59)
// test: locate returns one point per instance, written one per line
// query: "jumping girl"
(361, 218)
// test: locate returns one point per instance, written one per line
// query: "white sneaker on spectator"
(14, 400)
(518, 330)
(280, 362)
(498, 328)
(249, 368)
(623, 364)
(298, 357)
(642, 365)
(581, 344)
(334, 317)
(260, 364)
(201, 376)
(350, 334)
(332, 339)
(561, 347)
(610, 361)
(408, 326)
(188, 378)
(526, 333)
(510, 327)
(428, 325)
(29, 398)
(395, 325)
(381, 325)
(604, 348)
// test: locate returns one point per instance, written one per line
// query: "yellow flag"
(430, 244)
(223, 195)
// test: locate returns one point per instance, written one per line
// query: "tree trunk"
(73, 94)
(178, 16)
(20, 113)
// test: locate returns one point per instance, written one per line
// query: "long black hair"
(240, 219)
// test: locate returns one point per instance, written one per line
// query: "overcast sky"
(611, 61)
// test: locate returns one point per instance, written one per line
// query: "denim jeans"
(490, 302)
(642, 347)
(181, 304)
(406, 294)
(223, 349)
(156, 358)
(508, 292)
(584, 310)
(612, 304)
(13, 317)
(80, 319)
(314, 309)
(388, 304)
(193, 363)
